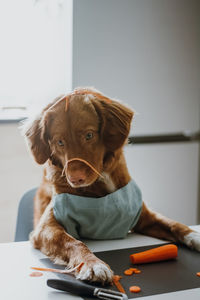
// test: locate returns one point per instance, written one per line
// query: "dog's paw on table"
(96, 271)
(192, 240)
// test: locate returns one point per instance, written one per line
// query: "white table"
(17, 258)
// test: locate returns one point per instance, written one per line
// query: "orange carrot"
(36, 274)
(165, 252)
(128, 272)
(133, 269)
(65, 271)
(137, 271)
(66, 103)
(134, 289)
(79, 267)
(95, 94)
(87, 163)
(198, 274)
(116, 279)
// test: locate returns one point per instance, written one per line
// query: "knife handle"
(73, 286)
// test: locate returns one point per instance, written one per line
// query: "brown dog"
(80, 139)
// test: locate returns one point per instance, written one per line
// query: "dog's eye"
(89, 136)
(60, 143)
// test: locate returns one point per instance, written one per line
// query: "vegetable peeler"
(83, 289)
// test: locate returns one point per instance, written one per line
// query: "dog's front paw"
(95, 270)
(192, 240)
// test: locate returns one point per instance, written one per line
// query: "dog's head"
(80, 133)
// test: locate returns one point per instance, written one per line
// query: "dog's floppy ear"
(115, 122)
(36, 132)
(37, 136)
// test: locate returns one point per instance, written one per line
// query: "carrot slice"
(137, 271)
(165, 252)
(128, 272)
(36, 274)
(198, 274)
(134, 289)
(133, 269)
(116, 279)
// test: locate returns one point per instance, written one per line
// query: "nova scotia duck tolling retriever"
(86, 191)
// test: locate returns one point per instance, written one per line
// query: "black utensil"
(81, 288)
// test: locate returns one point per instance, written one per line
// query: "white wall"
(146, 52)
(18, 173)
(36, 47)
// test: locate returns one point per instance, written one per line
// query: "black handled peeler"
(83, 289)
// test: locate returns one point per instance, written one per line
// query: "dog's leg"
(42, 199)
(156, 225)
(53, 241)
